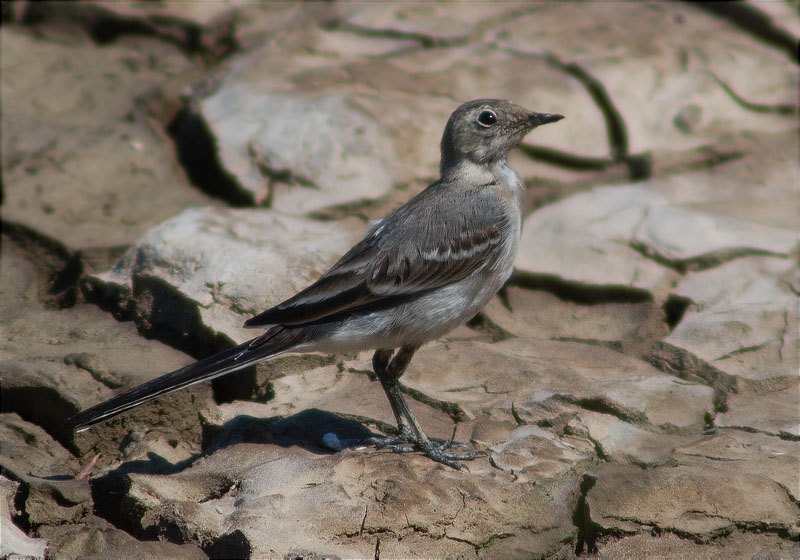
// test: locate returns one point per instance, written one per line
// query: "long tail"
(275, 341)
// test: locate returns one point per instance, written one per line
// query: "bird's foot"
(443, 452)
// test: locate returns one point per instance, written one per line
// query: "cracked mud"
(170, 169)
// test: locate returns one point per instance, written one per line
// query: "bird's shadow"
(304, 429)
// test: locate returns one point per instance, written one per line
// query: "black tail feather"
(224, 362)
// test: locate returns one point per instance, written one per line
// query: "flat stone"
(757, 183)
(687, 109)
(97, 539)
(746, 412)
(667, 545)
(204, 272)
(744, 318)
(414, 504)
(531, 373)
(754, 453)
(535, 453)
(629, 327)
(697, 503)
(85, 358)
(28, 450)
(323, 147)
(622, 442)
(67, 149)
(629, 236)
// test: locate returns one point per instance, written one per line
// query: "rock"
(746, 412)
(622, 442)
(535, 453)
(743, 318)
(413, 505)
(634, 386)
(56, 501)
(297, 153)
(650, 108)
(699, 504)
(97, 539)
(67, 148)
(531, 373)
(82, 359)
(563, 314)
(631, 238)
(28, 450)
(754, 453)
(200, 275)
(753, 180)
(755, 546)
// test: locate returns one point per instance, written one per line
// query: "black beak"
(537, 119)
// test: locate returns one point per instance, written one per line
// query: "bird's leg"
(380, 364)
(389, 373)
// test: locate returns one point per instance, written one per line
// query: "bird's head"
(484, 130)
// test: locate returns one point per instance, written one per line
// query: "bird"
(429, 266)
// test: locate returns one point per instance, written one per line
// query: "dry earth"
(171, 168)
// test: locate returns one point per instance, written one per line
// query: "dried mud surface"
(171, 169)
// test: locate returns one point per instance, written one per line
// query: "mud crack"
(705, 261)
(570, 290)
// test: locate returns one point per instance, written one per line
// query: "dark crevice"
(453, 410)
(502, 295)
(44, 407)
(170, 317)
(231, 545)
(483, 324)
(758, 23)
(782, 530)
(60, 266)
(787, 436)
(578, 292)
(603, 406)
(615, 345)
(173, 319)
(640, 166)
(112, 503)
(743, 350)
(64, 283)
(615, 123)
(704, 157)
(213, 41)
(778, 109)
(20, 517)
(675, 308)
(425, 41)
(676, 361)
(198, 154)
(780, 434)
(702, 262)
(566, 160)
(274, 175)
(106, 28)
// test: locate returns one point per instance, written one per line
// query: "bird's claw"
(436, 450)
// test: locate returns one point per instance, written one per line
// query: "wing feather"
(394, 261)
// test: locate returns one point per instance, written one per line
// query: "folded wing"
(399, 257)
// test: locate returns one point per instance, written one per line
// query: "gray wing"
(428, 243)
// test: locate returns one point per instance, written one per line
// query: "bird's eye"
(487, 118)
